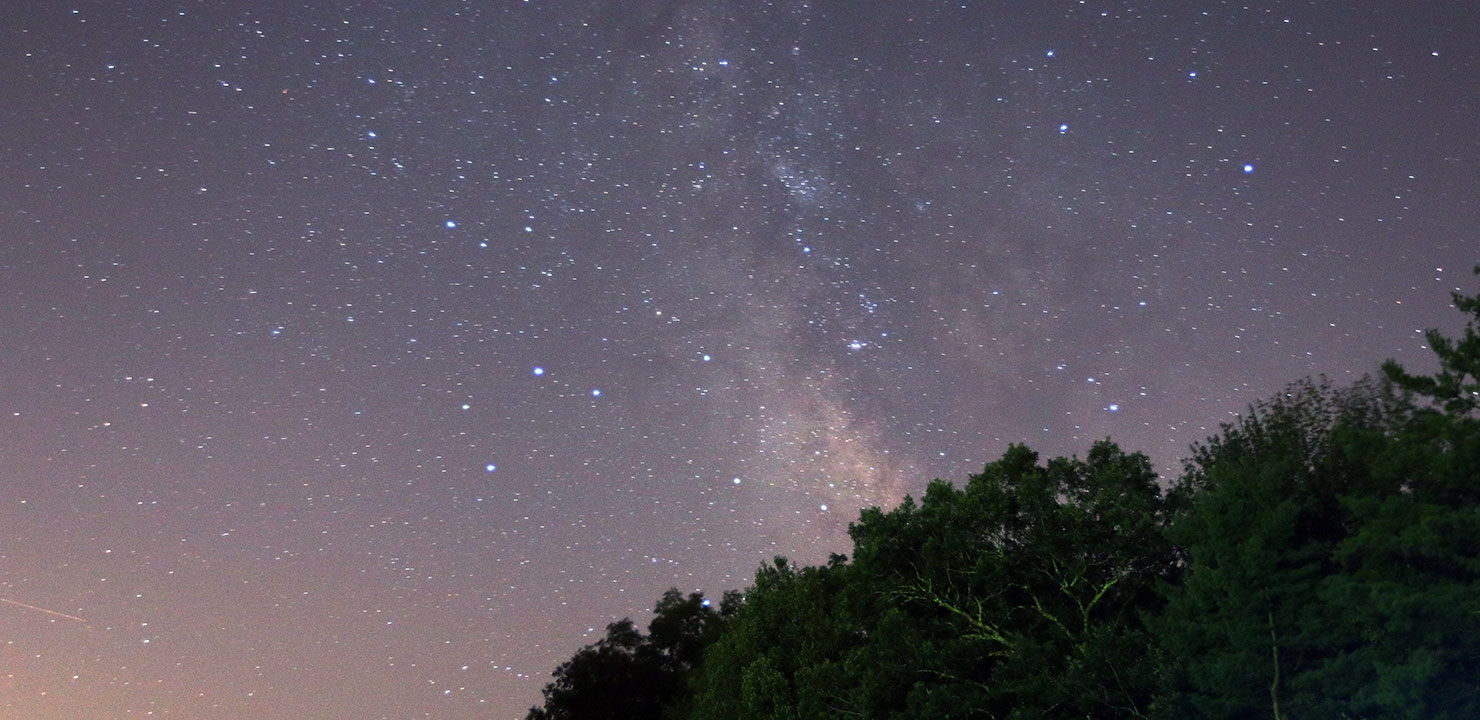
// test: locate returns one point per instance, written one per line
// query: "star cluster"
(364, 361)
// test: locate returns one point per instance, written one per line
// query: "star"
(896, 274)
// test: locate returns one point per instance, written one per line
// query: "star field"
(364, 361)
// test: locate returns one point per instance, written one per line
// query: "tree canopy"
(1318, 557)
(627, 675)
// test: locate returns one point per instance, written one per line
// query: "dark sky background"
(363, 360)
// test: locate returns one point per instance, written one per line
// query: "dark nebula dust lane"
(363, 361)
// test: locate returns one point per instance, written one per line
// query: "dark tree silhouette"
(1456, 387)
(1318, 557)
(629, 676)
(1019, 595)
(1246, 633)
(1333, 552)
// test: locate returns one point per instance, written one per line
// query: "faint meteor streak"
(42, 609)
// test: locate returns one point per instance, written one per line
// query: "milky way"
(364, 361)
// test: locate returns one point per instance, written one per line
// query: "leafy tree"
(1021, 595)
(617, 677)
(683, 625)
(626, 675)
(1456, 387)
(1407, 584)
(1018, 596)
(1332, 550)
(781, 655)
(1319, 557)
(1246, 632)
(1411, 570)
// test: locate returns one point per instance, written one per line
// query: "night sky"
(364, 360)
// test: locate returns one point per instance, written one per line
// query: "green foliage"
(1021, 595)
(1018, 596)
(1411, 570)
(1246, 633)
(1319, 557)
(1333, 563)
(784, 647)
(1456, 388)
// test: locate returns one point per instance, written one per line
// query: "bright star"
(539, 370)
(490, 467)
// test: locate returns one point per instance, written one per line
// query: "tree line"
(1318, 557)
